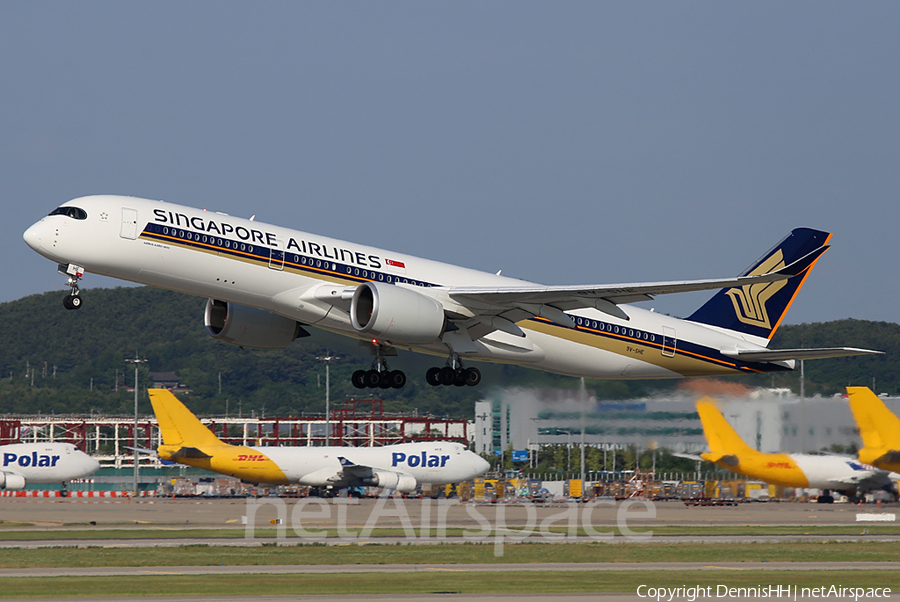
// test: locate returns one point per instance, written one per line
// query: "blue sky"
(564, 143)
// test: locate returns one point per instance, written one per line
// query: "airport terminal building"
(768, 420)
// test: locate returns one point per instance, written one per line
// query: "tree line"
(58, 361)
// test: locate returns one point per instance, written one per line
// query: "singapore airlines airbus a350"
(266, 283)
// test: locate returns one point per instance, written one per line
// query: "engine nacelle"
(397, 481)
(11, 482)
(248, 327)
(399, 315)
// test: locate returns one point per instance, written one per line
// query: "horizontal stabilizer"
(891, 457)
(689, 457)
(780, 355)
(190, 452)
(717, 457)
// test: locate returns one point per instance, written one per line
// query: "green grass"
(174, 532)
(201, 555)
(429, 582)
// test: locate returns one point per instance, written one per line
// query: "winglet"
(345, 461)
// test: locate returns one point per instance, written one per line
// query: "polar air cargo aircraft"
(265, 283)
(728, 450)
(28, 463)
(396, 467)
(879, 429)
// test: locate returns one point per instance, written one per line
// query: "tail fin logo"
(750, 300)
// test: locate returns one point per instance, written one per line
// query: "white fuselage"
(45, 462)
(437, 463)
(832, 472)
(300, 276)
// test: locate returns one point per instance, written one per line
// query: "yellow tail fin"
(878, 426)
(177, 424)
(722, 439)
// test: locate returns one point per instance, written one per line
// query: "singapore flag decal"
(398, 266)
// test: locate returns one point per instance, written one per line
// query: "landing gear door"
(129, 223)
(669, 341)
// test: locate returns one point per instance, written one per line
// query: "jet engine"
(248, 327)
(16, 482)
(399, 315)
(397, 481)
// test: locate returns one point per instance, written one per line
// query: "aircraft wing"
(778, 355)
(551, 301)
(355, 471)
(864, 480)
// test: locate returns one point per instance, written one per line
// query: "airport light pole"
(327, 359)
(136, 361)
(584, 400)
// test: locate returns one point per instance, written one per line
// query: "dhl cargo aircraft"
(399, 467)
(827, 472)
(879, 429)
(266, 283)
(49, 462)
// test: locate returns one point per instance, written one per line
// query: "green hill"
(53, 360)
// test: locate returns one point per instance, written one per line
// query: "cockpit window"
(73, 212)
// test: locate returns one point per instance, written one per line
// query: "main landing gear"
(380, 376)
(74, 272)
(453, 374)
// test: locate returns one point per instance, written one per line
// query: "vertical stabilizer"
(177, 425)
(757, 309)
(879, 428)
(721, 437)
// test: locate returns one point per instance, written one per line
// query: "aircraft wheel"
(72, 302)
(433, 376)
(447, 375)
(473, 376)
(373, 378)
(397, 379)
(359, 379)
(459, 379)
(384, 380)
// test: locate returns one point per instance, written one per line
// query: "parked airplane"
(27, 463)
(878, 427)
(265, 283)
(399, 467)
(825, 472)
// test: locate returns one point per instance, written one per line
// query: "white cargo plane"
(51, 462)
(400, 467)
(265, 283)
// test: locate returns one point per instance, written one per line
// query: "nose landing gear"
(74, 272)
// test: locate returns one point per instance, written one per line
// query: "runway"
(46, 522)
(649, 567)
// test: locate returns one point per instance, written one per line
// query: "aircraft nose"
(89, 465)
(481, 465)
(33, 236)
